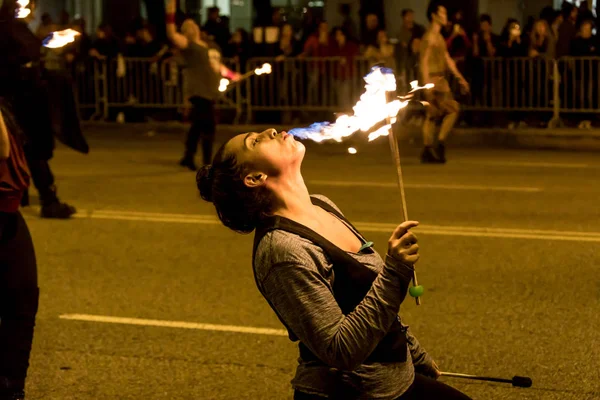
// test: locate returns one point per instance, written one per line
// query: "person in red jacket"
(19, 291)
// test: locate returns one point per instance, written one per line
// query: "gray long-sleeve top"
(296, 278)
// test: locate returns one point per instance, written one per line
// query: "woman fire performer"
(331, 290)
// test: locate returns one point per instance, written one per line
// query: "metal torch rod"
(396, 155)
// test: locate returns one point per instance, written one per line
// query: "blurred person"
(556, 22)
(346, 49)
(19, 292)
(369, 36)
(485, 42)
(318, 45)
(585, 70)
(46, 27)
(77, 51)
(43, 104)
(203, 72)
(540, 41)
(348, 24)
(484, 80)
(584, 13)
(352, 342)
(239, 47)
(435, 63)
(383, 53)
(105, 45)
(567, 30)
(458, 43)
(513, 46)
(216, 28)
(408, 31)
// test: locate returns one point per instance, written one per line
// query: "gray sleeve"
(421, 359)
(303, 299)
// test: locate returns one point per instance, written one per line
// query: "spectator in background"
(584, 13)
(239, 47)
(105, 45)
(343, 74)
(216, 28)
(585, 71)
(77, 52)
(567, 30)
(555, 23)
(540, 42)
(485, 45)
(369, 36)
(459, 44)
(317, 45)
(287, 45)
(513, 46)
(383, 53)
(485, 42)
(408, 31)
(347, 24)
(46, 26)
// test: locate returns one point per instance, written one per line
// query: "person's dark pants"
(42, 177)
(422, 388)
(203, 128)
(19, 295)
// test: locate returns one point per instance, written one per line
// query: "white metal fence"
(568, 85)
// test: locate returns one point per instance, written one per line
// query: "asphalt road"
(510, 258)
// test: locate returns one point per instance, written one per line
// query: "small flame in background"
(22, 10)
(60, 39)
(352, 150)
(265, 69)
(372, 109)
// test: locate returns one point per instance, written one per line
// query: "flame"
(372, 108)
(22, 11)
(223, 85)
(352, 150)
(265, 69)
(415, 86)
(60, 39)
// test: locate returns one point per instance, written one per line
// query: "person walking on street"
(435, 63)
(203, 72)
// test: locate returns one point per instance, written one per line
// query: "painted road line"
(362, 226)
(174, 324)
(525, 164)
(427, 186)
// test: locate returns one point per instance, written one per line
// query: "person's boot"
(52, 207)
(441, 152)
(429, 156)
(188, 163)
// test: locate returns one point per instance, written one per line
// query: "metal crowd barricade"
(144, 83)
(579, 84)
(569, 85)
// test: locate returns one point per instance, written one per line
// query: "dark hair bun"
(205, 180)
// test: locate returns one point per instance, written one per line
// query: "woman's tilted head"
(246, 174)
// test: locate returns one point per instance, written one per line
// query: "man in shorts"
(434, 65)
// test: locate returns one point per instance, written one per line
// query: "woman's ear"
(255, 179)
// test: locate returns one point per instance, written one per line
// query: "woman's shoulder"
(328, 201)
(279, 248)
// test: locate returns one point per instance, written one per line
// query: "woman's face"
(540, 28)
(269, 152)
(586, 30)
(287, 31)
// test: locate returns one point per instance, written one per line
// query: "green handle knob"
(416, 291)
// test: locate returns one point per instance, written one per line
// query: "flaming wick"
(59, 39)
(265, 69)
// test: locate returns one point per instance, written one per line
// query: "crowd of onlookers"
(569, 31)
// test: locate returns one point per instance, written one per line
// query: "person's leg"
(43, 179)
(193, 136)
(429, 155)
(19, 295)
(451, 108)
(425, 388)
(209, 128)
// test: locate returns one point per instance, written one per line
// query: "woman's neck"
(293, 200)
